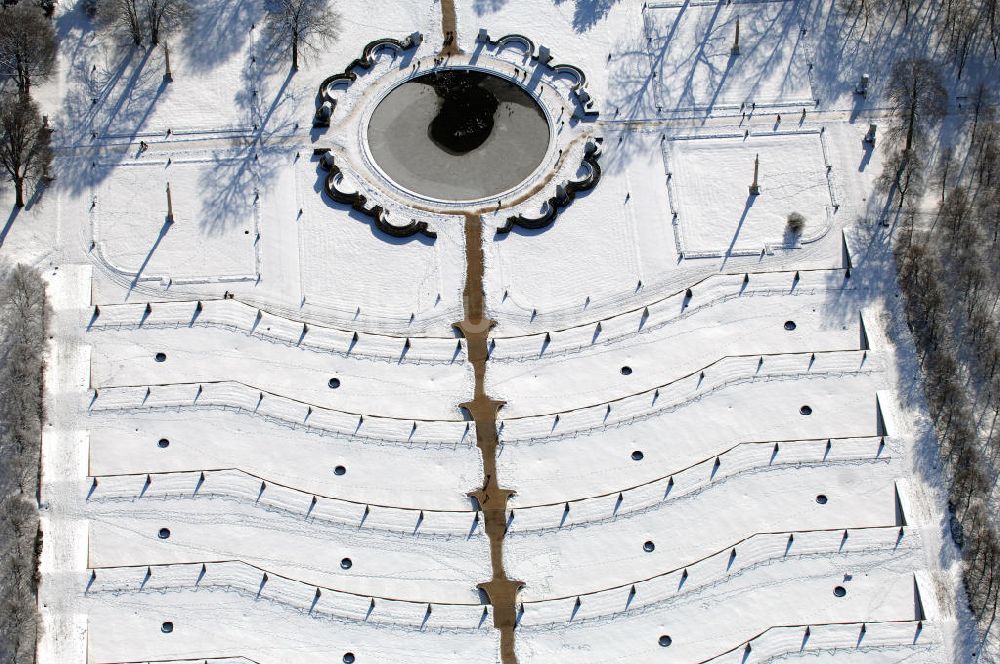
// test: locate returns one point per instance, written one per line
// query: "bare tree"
(988, 214)
(954, 214)
(18, 623)
(907, 7)
(918, 101)
(23, 320)
(902, 174)
(122, 16)
(992, 8)
(945, 163)
(25, 312)
(301, 27)
(27, 46)
(18, 520)
(139, 18)
(864, 10)
(25, 151)
(164, 17)
(981, 106)
(48, 7)
(987, 153)
(966, 25)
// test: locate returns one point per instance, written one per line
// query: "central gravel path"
(502, 591)
(449, 26)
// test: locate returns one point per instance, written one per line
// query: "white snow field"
(255, 451)
(772, 66)
(733, 221)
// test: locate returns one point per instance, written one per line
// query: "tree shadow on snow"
(874, 289)
(763, 45)
(225, 26)
(848, 49)
(654, 76)
(110, 95)
(588, 13)
(8, 224)
(487, 6)
(241, 176)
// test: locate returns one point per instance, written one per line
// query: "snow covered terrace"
(258, 450)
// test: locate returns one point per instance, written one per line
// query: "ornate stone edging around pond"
(544, 57)
(358, 201)
(348, 193)
(565, 193)
(325, 103)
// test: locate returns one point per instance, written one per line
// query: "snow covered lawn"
(350, 265)
(710, 191)
(209, 239)
(772, 67)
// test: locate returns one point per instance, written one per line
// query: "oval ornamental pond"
(458, 135)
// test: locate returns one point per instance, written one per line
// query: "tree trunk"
(22, 77)
(909, 128)
(19, 189)
(295, 52)
(963, 56)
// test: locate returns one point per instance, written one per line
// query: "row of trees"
(918, 101)
(949, 273)
(965, 419)
(292, 27)
(139, 19)
(27, 56)
(963, 27)
(22, 343)
(28, 49)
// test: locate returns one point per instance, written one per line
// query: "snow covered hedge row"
(947, 272)
(959, 348)
(23, 323)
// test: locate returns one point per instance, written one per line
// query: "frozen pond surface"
(501, 157)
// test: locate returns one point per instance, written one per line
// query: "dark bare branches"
(165, 17)
(948, 273)
(139, 19)
(903, 176)
(123, 16)
(25, 152)
(918, 101)
(862, 10)
(300, 27)
(27, 46)
(23, 322)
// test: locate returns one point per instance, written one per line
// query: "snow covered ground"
(791, 178)
(770, 67)
(701, 420)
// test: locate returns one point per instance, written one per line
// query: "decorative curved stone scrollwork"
(579, 90)
(529, 46)
(574, 71)
(565, 193)
(359, 202)
(544, 56)
(325, 103)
